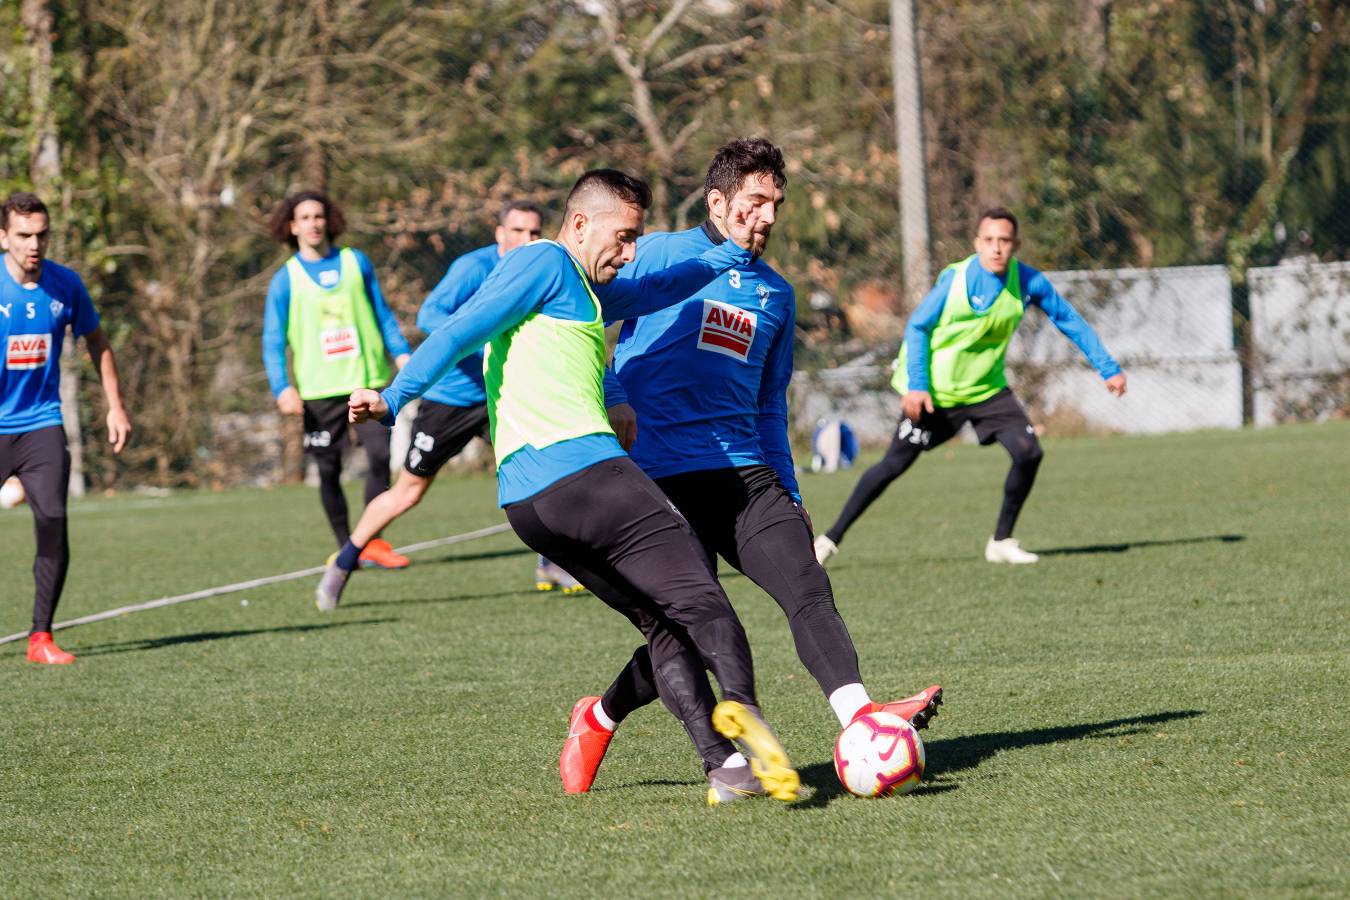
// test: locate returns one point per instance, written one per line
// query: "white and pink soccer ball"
(879, 754)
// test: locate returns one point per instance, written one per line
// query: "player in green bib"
(950, 372)
(568, 488)
(325, 306)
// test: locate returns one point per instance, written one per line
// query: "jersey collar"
(711, 232)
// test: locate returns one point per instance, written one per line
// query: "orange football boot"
(42, 650)
(584, 748)
(916, 710)
(381, 555)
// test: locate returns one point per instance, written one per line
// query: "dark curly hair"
(279, 226)
(738, 160)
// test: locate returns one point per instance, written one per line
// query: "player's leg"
(910, 439)
(374, 439)
(325, 434)
(42, 462)
(615, 511)
(1002, 419)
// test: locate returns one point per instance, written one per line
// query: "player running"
(950, 371)
(38, 300)
(325, 304)
(708, 380)
(454, 410)
(569, 489)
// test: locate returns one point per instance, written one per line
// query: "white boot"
(1008, 551)
(825, 548)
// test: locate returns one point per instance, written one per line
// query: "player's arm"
(625, 298)
(276, 318)
(449, 294)
(101, 355)
(772, 420)
(1072, 325)
(622, 417)
(394, 341)
(515, 289)
(918, 336)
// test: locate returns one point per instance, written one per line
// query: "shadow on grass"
(198, 637)
(472, 557)
(454, 598)
(951, 755)
(1135, 545)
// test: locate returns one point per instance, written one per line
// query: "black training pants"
(41, 459)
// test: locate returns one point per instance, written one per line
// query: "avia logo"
(727, 329)
(339, 343)
(27, 351)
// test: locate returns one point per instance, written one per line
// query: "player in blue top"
(568, 488)
(950, 372)
(38, 301)
(325, 305)
(454, 410)
(707, 379)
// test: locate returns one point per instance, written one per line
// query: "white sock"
(734, 760)
(847, 700)
(598, 710)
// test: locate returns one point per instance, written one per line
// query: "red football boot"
(42, 650)
(584, 748)
(380, 554)
(916, 710)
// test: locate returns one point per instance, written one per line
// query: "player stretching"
(950, 371)
(452, 412)
(38, 299)
(569, 490)
(708, 380)
(326, 305)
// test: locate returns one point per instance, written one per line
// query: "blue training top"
(542, 277)
(983, 288)
(33, 324)
(708, 377)
(325, 272)
(462, 384)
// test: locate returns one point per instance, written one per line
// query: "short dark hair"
(738, 160)
(619, 185)
(525, 206)
(997, 212)
(279, 226)
(24, 204)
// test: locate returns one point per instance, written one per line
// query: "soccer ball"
(11, 493)
(879, 754)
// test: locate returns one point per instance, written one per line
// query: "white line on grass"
(256, 582)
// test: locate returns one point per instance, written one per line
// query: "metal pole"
(914, 239)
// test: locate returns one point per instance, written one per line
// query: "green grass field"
(1156, 709)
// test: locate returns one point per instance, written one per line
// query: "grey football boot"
(328, 594)
(731, 783)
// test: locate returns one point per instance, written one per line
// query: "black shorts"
(1000, 412)
(727, 507)
(326, 426)
(41, 459)
(440, 432)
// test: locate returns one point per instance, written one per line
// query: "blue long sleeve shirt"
(463, 382)
(708, 377)
(983, 287)
(325, 272)
(542, 277)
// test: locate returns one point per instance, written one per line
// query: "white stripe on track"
(256, 582)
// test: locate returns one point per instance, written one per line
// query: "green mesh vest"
(336, 345)
(545, 379)
(966, 348)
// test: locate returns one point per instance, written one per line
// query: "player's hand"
(119, 428)
(366, 404)
(742, 218)
(916, 403)
(1116, 384)
(623, 419)
(402, 360)
(289, 402)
